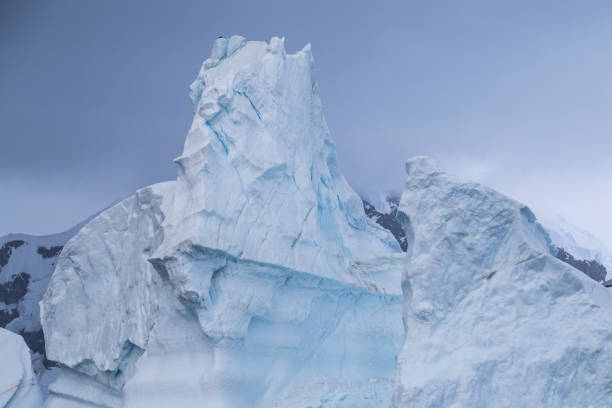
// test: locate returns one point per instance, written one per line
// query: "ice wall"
(492, 318)
(258, 177)
(254, 279)
(103, 300)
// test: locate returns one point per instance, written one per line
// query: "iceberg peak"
(421, 165)
(259, 143)
(251, 269)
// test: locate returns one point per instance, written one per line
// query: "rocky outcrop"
(388, 220)
(592, 268)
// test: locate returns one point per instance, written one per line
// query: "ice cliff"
(253, 279)
(492, 318)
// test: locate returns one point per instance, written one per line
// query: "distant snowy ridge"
(26, 265)
(580, 244)
(385, 216)
(591, 268)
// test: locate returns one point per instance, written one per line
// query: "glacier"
(492, 318)
(253, 279)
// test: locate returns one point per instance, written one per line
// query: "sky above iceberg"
(94, 97)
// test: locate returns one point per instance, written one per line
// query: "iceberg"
(259, 278)
(492, 318)
(18, 384)
(253, 279)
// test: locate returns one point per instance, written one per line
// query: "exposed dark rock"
(49, 363)
(37, 259)
(7, 249)
(7, 316)
(13, 291)
(49, 252)
(592, 268)
(35, 340)
(388, 220)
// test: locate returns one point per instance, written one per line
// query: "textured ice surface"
(100, 304)
(26, 265)
(492, 318)
(253, 277)
(18, 384)
(259, 178)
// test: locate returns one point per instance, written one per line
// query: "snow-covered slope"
(18, 384)
(576, 241)
(492, 318)
(385, 215)
(254, 279)
(26, 265)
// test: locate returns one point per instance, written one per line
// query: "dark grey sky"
(93, 96)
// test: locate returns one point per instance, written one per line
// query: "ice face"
(492, 318)
(259, 177)
(102, 299)
(253, 277)
(26, 265)
(18, 384)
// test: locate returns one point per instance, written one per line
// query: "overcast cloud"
(93, 96)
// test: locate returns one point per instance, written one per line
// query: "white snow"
(491, 317)
(254, 276)
(26, 257)
(18, 385)
(577, 241)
